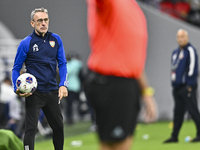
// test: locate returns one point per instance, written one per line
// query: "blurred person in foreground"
(42, 51)
(9, 141)
(118, 39)
(184, 74)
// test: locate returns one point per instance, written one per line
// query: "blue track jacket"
(184, 66)
(41, 56)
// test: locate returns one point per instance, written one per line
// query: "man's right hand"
(22, 94)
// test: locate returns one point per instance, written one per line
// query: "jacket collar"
(40, 35)
(185, 47)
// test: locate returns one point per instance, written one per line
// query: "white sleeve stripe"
(66, 83)
(192, 61)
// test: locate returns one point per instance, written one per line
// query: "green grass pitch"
(157, 133)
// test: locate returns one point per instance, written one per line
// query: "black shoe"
(196, 139)
(171, 140)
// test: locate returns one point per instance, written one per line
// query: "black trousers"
(49, 103)
(185, 101)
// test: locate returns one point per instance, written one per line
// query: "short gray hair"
(38, 10)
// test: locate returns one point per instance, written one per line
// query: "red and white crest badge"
(52, 43)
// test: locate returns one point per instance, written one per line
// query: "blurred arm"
(148, 99)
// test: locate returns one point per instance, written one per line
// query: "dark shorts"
(116, 102)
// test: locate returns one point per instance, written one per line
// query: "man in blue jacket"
(41, 52)
(184, 73)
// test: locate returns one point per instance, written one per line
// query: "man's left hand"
(62, 92)
(150, 113)
(189, 88)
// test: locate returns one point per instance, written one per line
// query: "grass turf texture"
(158, 132)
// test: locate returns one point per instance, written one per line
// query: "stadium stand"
(188, 10)
(8, 47)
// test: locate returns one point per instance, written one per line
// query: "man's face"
(182, 38)
(40, 23)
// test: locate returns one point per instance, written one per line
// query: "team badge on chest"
(181, 55)
(52, 43)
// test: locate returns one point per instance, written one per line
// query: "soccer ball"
(26, 83)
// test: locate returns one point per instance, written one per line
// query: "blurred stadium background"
(68, 19)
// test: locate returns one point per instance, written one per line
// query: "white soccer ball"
(188, 139)
(26, 83)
